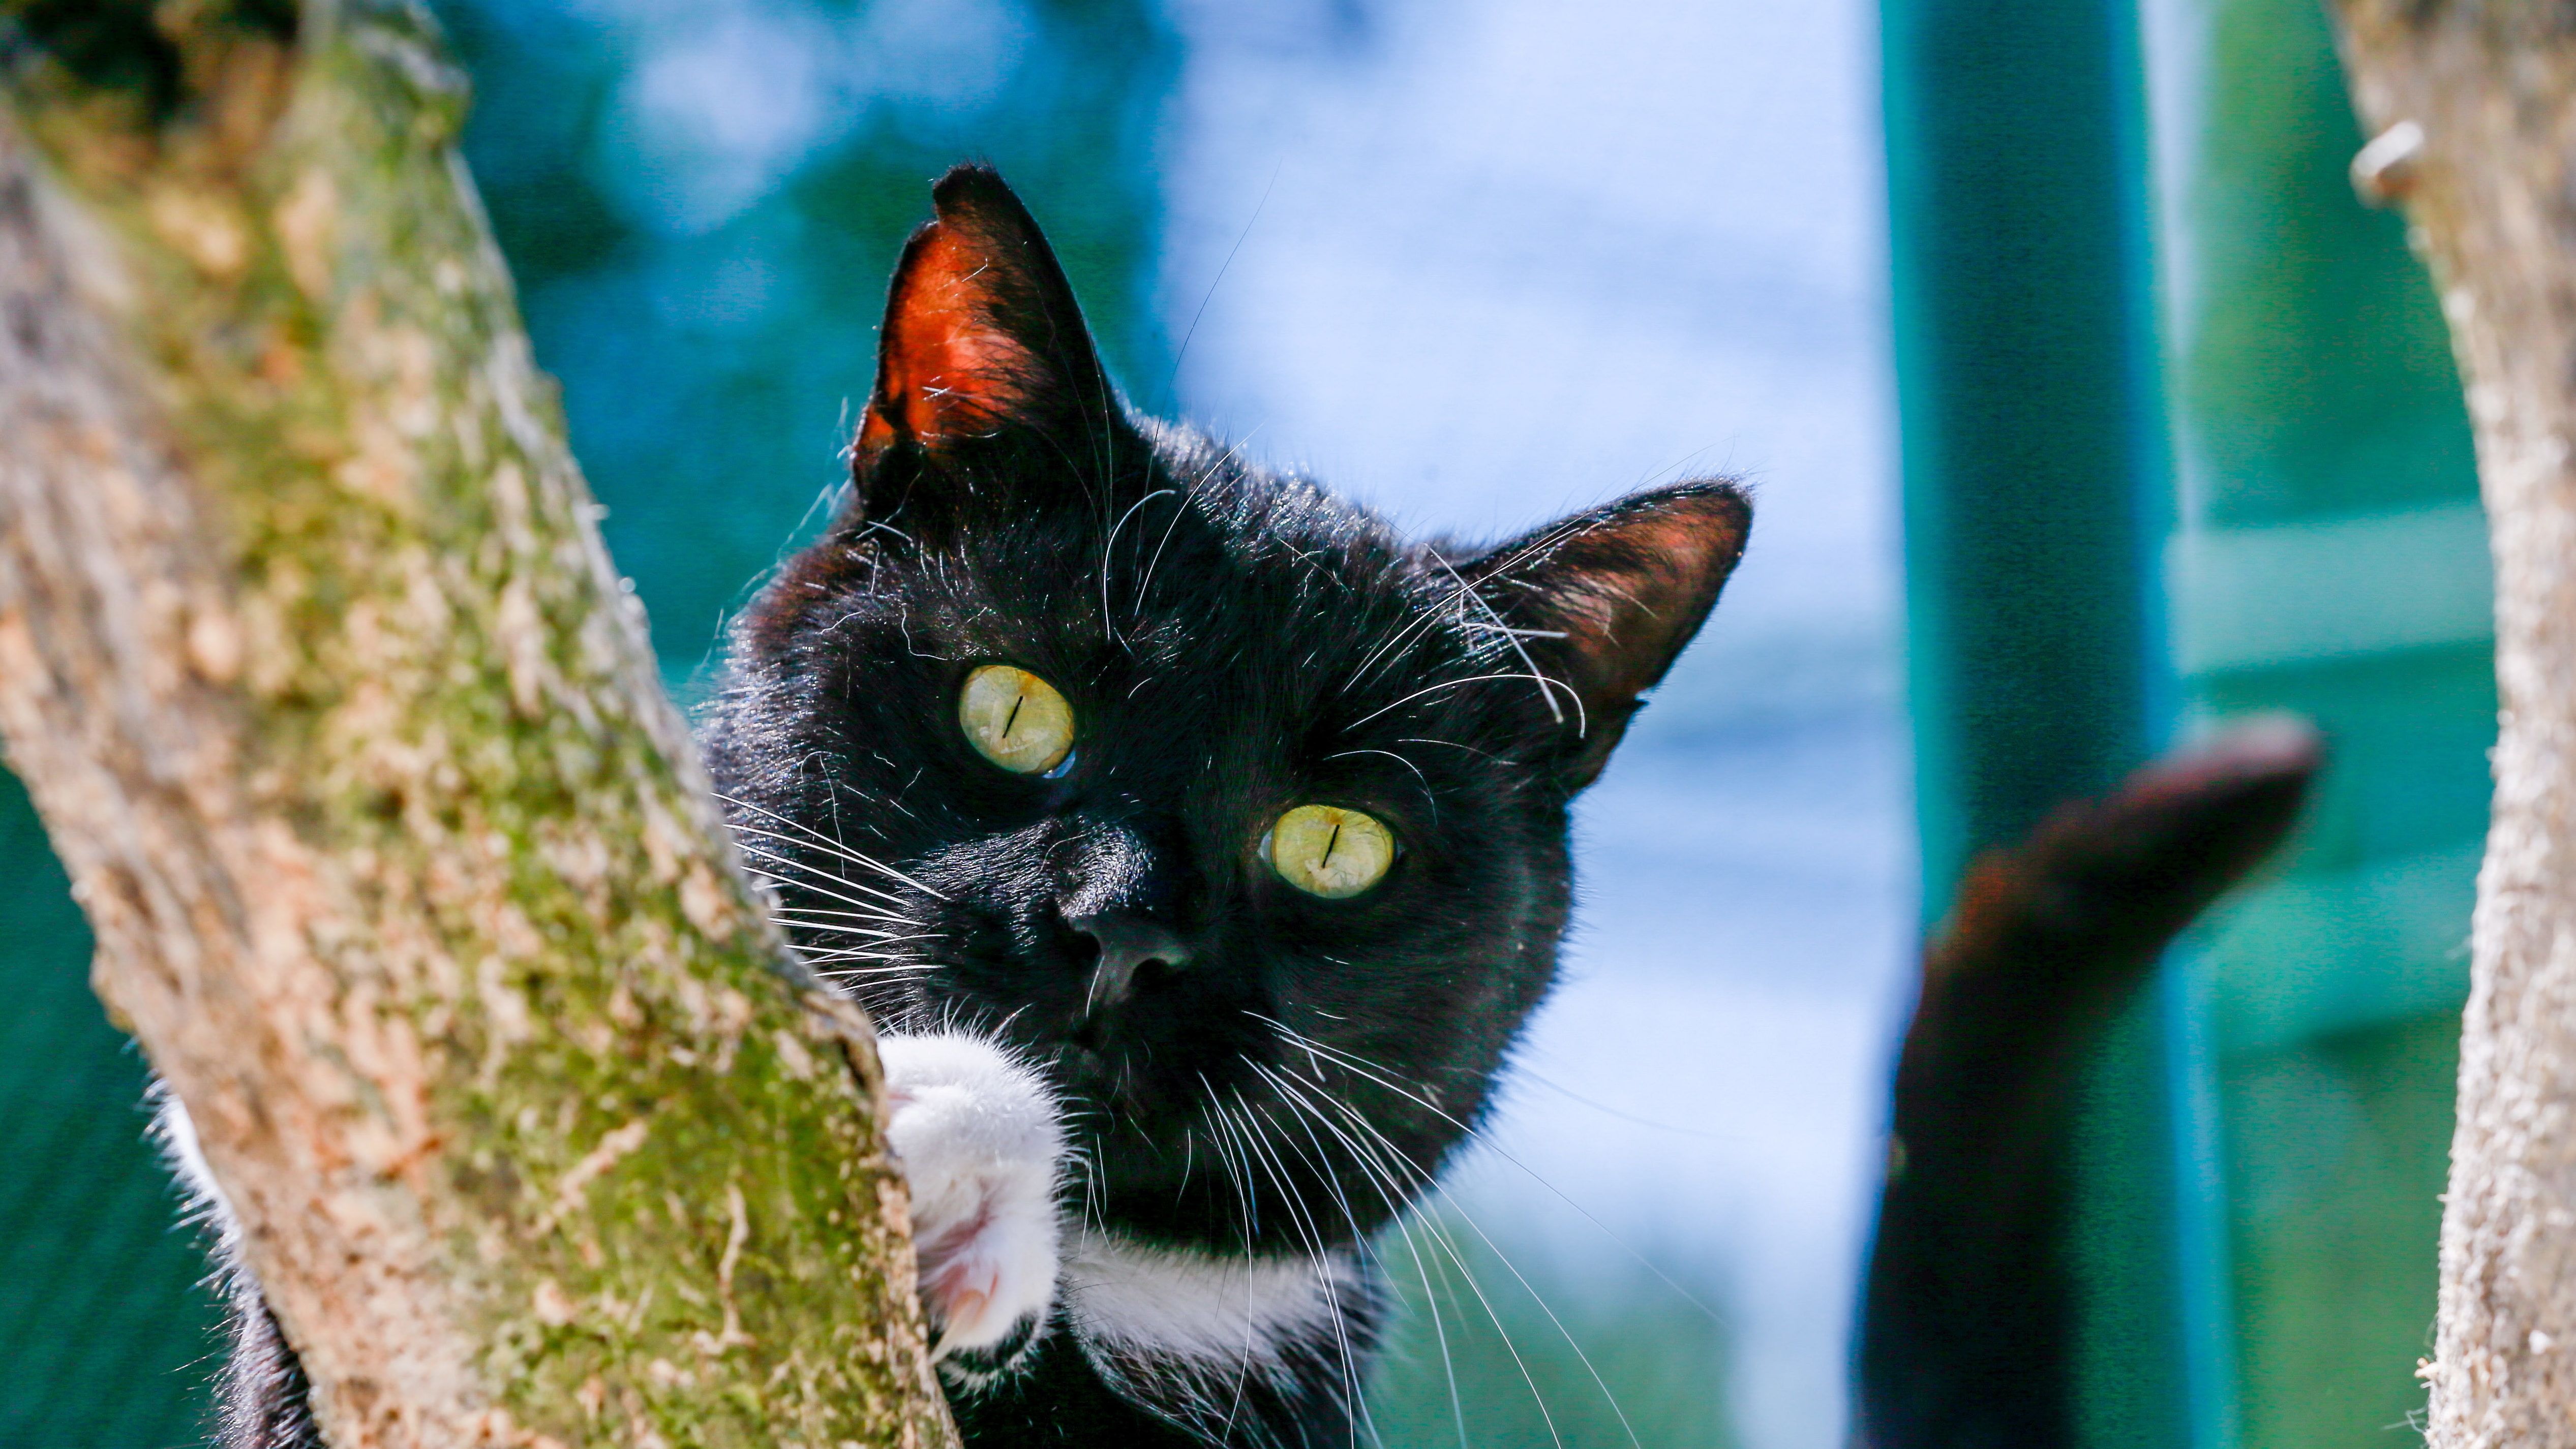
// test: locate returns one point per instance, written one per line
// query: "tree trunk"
(2474, 111)
(401, 866)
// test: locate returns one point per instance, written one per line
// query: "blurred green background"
(2331, 559)
(710, 309)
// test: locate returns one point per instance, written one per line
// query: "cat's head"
(1195, 783)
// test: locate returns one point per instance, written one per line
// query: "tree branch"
(2473, 107)
(400, 864)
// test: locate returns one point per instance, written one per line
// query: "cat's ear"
(1608, 598)
(981, 329)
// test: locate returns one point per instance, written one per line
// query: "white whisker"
(1541, 680)
(836, 847)
(1398, 1202)
(756, 845)
(1441, 1238)
(1513, 636)
(1109, 558)
(1374, 1073)
(784, 875)
(1427, 791)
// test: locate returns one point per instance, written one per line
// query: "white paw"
(979, 1143)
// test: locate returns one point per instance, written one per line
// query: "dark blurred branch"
(2473, 111)
(400, 864)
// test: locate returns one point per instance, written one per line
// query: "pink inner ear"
(1632, 611)
(943, 367)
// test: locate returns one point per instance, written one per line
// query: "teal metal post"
(2026, 390)
(2036, 493)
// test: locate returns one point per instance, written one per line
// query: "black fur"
(263, 1401)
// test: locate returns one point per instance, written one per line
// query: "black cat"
(1200, 847)
(1121, 775)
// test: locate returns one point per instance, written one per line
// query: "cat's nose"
(1132, 948)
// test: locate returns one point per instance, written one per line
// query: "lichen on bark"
(401, 865)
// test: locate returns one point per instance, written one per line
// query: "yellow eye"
(1015, 719)
(1325, 850)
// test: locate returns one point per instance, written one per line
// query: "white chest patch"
(1139, 1301)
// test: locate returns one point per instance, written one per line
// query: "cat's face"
(1243, 816)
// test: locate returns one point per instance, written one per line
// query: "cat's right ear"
(981, 333)
(1605, 600)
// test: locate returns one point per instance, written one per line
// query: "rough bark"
(400, 864)
(2473, 111)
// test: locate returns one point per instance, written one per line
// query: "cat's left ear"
(981, 329)
(1609, 597)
